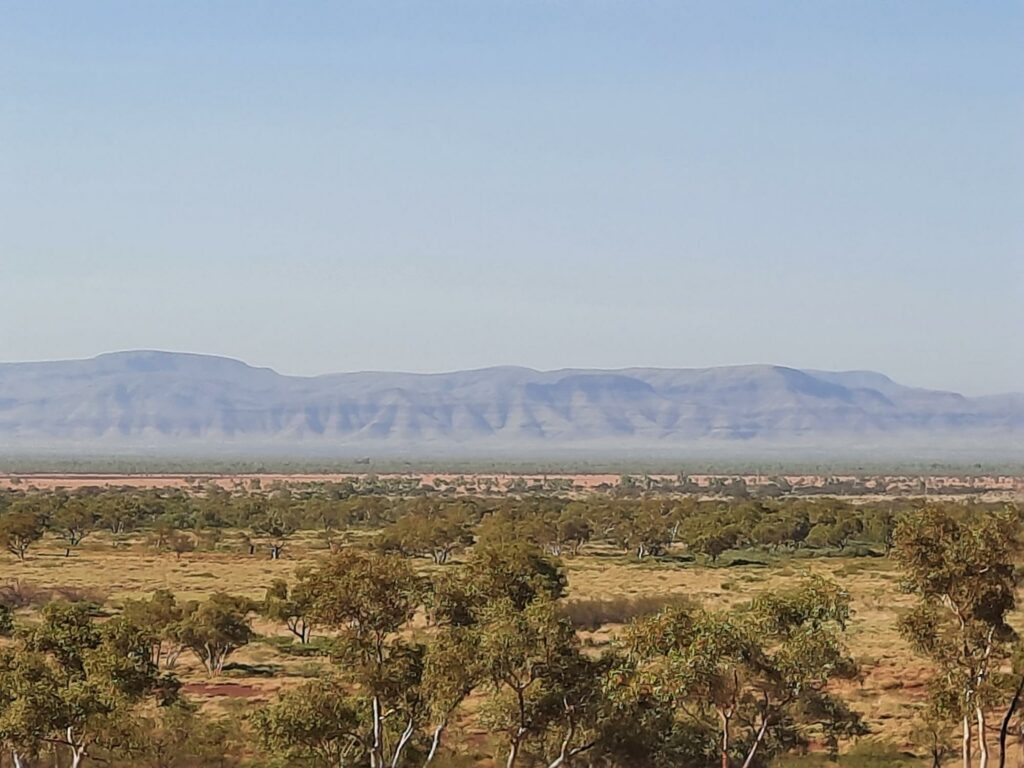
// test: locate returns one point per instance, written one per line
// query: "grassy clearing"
(605, 589)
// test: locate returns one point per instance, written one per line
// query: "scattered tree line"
(265, 521)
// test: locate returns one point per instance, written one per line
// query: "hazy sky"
(437, 185)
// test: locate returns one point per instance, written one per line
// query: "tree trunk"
(563, 760)
(757, 742)
(982, 739)
(515, 742)
(171, 660)
(375, 759)
(77, 750)
(725, 739)
(966, 745)
(1004, 727)
(563, 752)
(513, 753)
(435, 742)
(402, 742)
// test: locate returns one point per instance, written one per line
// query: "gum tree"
(759, 672)
(214, 629)
(291, 606)
(961, 566)
(101, 674)
(369, 599)
(316, 724)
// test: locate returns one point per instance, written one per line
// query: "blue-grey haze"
(164, 404)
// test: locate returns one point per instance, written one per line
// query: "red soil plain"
(582, 483)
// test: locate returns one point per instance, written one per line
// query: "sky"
(437, 185)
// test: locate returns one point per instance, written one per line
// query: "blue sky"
(438, 185)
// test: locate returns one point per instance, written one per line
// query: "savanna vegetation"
(383, 623)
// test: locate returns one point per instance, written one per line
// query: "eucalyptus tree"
(118, 512)
(330, 516)
(276, 523)
(452, 670)
(101, 674)
(369, 599)
(491, 599)
(430, 531)
(179, 735)
(544, 695)
(961, 565)
(759, 674)
(214, 628)
(644, 528)
(21, 526)
(575, 530)
(156, 620)
(317, 724)
(30, 703)
(72, 522)
(516, 571)
(291, 605)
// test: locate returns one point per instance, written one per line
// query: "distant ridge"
(188, 404)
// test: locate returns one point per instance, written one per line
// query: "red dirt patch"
(227, 690)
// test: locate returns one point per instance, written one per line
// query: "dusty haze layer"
(182, 404)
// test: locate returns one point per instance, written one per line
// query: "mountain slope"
(187, 403)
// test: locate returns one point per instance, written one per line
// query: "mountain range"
(187, 404)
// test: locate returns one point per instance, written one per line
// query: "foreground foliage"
(449, 623)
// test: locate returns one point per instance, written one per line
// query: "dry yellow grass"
(889, 694)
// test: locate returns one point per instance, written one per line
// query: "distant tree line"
(265, 521)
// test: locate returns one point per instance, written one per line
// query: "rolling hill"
(186, 404)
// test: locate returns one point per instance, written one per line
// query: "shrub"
(6, 621)
(595, 613)
(19, 594)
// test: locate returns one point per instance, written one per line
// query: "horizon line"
(480, 369)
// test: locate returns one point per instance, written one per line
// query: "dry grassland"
(892, 688)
